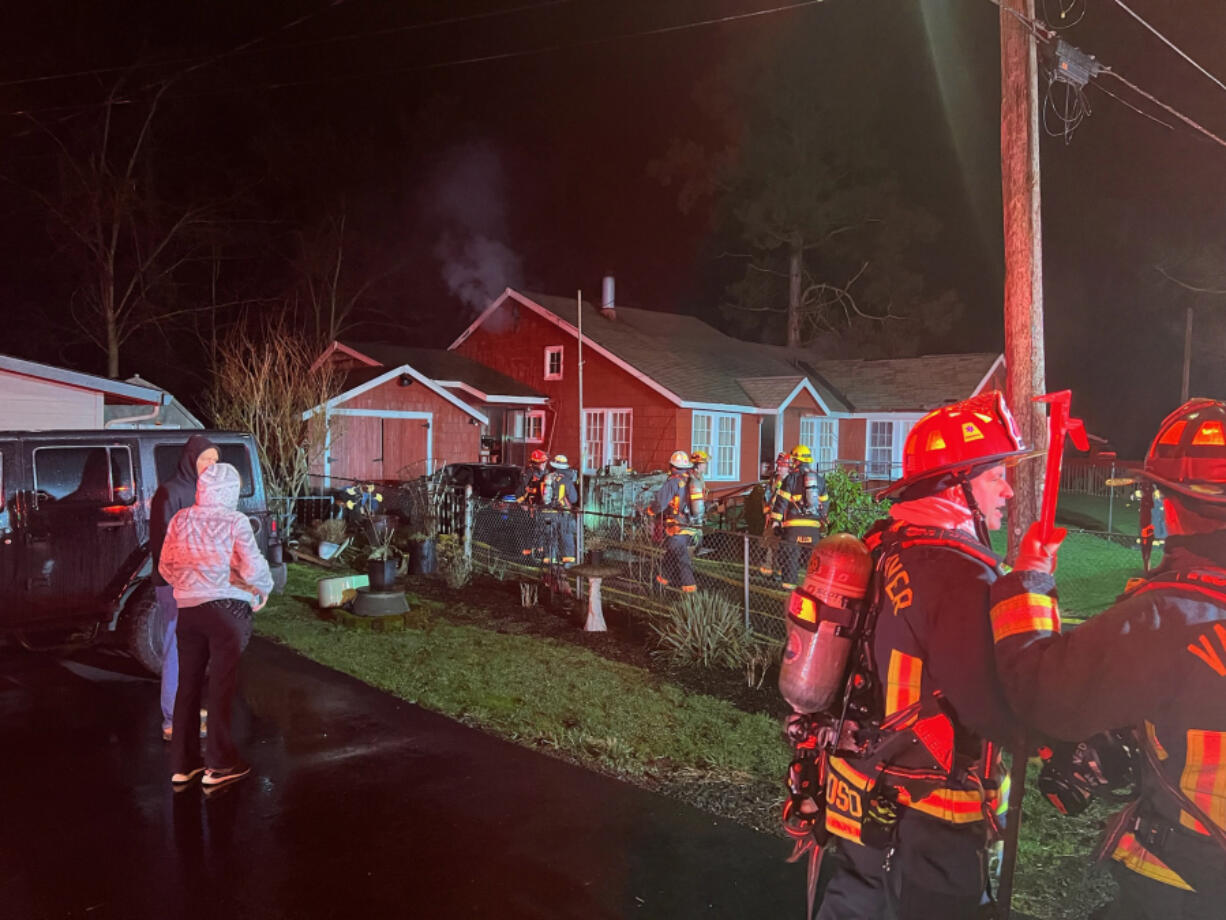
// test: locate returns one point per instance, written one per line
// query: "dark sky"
(532, 168)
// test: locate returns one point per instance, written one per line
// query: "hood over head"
(195, 446)
(218, 487)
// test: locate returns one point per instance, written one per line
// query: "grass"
(629, 722)
(535, 691)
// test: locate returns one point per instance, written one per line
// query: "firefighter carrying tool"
(679, 507)
(1155, 661)
(799, 510)
(897, 734)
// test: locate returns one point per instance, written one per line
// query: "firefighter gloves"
(1037, 556)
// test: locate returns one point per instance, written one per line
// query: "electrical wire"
(1122, 101)
(1166, 41)
(1162, 105)
(1066, 7)
(246, 47)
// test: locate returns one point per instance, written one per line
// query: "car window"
(85, 474)
(166, 458)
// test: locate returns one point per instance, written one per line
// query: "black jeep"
(74, 531)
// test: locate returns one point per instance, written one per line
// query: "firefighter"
(697, 488)
(799, 512)
(908, 849)
(783, 466)
(678, 507)
(559, 498)
(1156, 661)
(528, 500)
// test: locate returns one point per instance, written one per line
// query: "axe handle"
(1057, 425)
(1013, 823)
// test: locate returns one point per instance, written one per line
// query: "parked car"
(489, 480)
(74, 531)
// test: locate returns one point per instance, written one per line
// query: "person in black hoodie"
(176, 493)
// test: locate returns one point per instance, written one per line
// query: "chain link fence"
(518, 542)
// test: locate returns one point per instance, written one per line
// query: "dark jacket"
(176, 493)
(932, 593)
(1156, 660)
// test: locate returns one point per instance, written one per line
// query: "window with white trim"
(553, 362)
(820, 435)
(606, 438)
(880, 450)
(719, 434)
(528, 426)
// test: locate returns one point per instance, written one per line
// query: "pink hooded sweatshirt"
(210, 552)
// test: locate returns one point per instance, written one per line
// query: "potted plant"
(422, 555)
(362, 502)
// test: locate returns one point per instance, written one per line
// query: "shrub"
(852, 509)
(457, 568)
(702, 629)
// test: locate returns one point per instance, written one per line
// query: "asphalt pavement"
(359, 806)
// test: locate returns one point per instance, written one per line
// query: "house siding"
(32, 405)
(403, 448)
(513, 340)
(803, 404)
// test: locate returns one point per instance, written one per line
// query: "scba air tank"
(822, 616)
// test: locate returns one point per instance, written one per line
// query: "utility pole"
(1019, 168)
(1187, 357)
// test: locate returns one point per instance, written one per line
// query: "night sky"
(531, 169)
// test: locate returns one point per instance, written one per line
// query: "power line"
(1166, 41)
(247, 47)
(1043, 33)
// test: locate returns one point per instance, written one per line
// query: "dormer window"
(553, 362)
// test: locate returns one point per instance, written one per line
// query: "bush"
(703, 629)
(852, 509)
(457, 568)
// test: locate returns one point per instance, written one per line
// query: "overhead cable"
(1166, 41)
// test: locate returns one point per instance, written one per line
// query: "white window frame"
(523, 421)
(550, 351)
(592, 463)
(822, 438)
(899, 428)
(717, 469)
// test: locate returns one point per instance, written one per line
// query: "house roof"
(114, 391)
(685, 355)
(695, 363)
(447, 368)
(909, 384)
(359, 380)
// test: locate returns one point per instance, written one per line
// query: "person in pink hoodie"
(212, 561)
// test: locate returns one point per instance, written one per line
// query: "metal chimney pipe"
(607, 302)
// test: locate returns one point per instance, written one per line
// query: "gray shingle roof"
(682, 353)
(441, 365)
(908, 384)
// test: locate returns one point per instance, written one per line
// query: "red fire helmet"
(538, 456)
(958, 441)
(1188, 457)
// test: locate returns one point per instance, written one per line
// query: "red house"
(652, 383)
(656, 382)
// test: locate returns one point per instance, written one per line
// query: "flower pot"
(382, 573)
(422, 558)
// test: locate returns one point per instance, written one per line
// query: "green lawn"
(1095, 512)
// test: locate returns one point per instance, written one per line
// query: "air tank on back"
(823, 615)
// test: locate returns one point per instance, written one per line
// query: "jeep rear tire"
(140, 626)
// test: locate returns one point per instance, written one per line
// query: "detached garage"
(393, 424)
(39, 397)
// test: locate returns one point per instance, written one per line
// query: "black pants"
(211, 639)
(938, 871)
(794, 550)
(676, 569)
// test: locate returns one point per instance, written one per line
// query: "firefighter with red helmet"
(910, 846)
(527, 535)
(799, 511)
(1155, 662)
(679, 506)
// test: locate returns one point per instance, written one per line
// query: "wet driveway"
(359, 806)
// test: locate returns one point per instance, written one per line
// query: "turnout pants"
(211, 638)
(676, 569)
(937, 871)
(794, 551)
